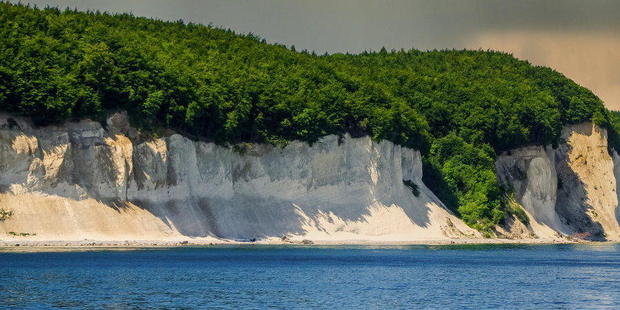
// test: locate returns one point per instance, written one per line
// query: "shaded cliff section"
(80, 181)
(569, 191)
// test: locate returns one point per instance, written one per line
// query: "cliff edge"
(82, 181)
(568, 191)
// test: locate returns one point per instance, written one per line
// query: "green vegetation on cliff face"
(459, 107)
(612, 122)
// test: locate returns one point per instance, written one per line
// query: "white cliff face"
(81, 181)
(530, 172)
(588, 197)
(616, 160)
(571, 190)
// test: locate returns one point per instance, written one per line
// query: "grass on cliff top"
(458, 107)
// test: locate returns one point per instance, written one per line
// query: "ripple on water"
(447, 277)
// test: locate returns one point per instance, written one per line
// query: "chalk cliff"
(571, 190)
(82, 181)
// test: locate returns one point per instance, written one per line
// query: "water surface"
(286, 277)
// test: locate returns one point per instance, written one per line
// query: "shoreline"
(16, 244)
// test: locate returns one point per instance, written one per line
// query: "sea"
(565, 276)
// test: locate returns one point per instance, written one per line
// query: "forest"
(460, 108)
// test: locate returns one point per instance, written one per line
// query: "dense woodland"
(460, 108)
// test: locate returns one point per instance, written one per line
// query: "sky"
(580, 38)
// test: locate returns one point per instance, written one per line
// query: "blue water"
(285, 277)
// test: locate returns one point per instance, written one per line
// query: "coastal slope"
(570, 190)
(80, 181)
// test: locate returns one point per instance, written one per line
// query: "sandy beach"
(25, 244)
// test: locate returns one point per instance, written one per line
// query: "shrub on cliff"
(469, 174)
(5, 214)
